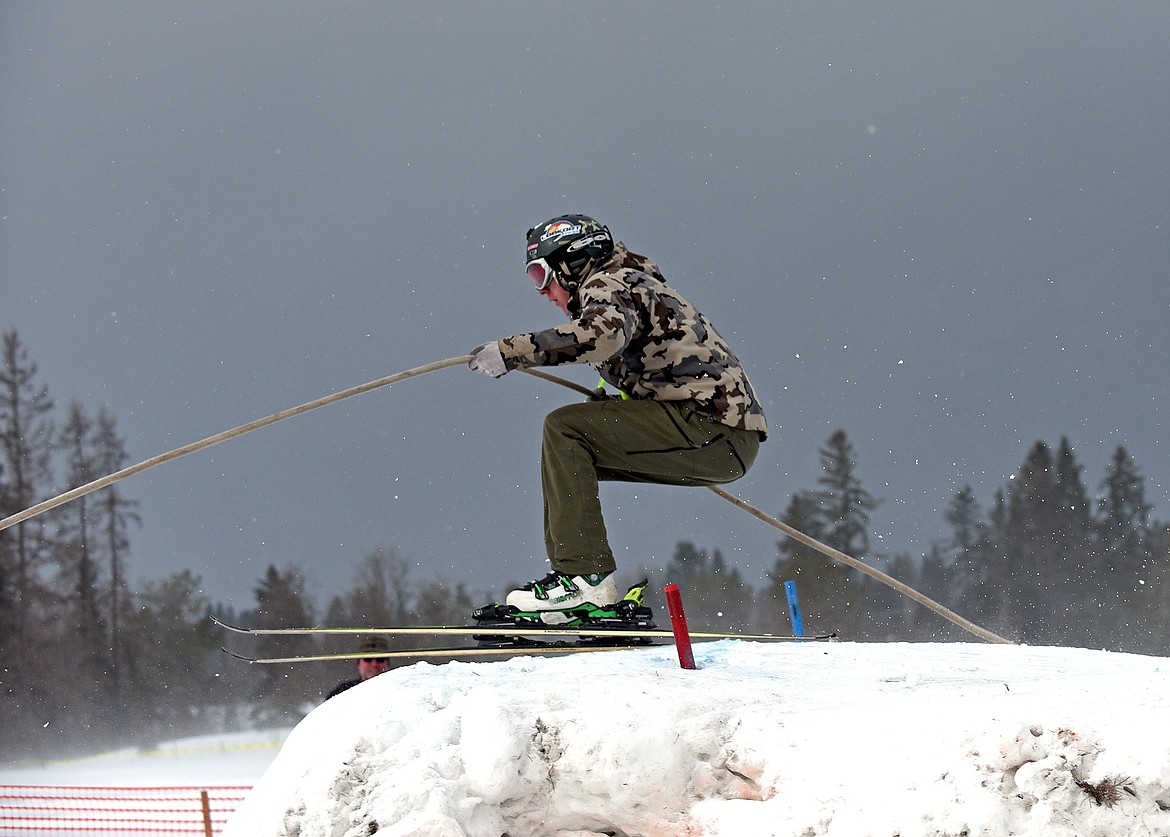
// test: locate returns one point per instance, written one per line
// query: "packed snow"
(785, 739)
(803, 739)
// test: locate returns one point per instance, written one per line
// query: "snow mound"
(800, 739)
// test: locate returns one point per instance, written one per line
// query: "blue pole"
(794, 608)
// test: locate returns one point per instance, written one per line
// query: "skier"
(686, 414)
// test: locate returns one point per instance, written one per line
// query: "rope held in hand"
(81, 491)
(824, 549)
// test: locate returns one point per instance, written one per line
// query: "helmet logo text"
(560, 230)
(597, 238)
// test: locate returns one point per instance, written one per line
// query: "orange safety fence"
(68, 810)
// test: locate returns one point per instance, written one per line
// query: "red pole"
(206, 812)
(678, 624)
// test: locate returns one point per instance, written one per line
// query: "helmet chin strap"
(572, 282)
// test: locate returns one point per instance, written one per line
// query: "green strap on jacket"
(601, 385)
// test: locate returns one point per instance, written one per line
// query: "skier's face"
(557, 295)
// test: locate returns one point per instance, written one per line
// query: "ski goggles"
(541, 273)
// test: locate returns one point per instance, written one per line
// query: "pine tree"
(1123, 515)
(383, 592)
(944, 579)
(804, 515)
(76, 638)
(1131, 582)
(75, 547)
(1040, 551)
(837, 514)
(962, 561)
(829, 594)
(26, 434)
(281, 602)
(1075, 544)
(685, 563)
(439, 602)
(715, 594)
(994, 580)
(114, 515)
(845, 505)
(170, 653)
(729, 598)
(1032, 544)
(1151, 637)
(965, 519)
(7, 567)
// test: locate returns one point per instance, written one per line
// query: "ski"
(498, 630)
(518, 650)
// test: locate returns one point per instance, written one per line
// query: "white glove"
(488, 360)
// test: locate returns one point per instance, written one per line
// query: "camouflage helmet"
(570, 243)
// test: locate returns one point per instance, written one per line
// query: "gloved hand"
(488, 360)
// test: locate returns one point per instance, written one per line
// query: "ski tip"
(215, 620)
(237, 656)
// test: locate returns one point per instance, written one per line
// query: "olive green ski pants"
(628, 441)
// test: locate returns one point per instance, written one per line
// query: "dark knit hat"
(373, 644)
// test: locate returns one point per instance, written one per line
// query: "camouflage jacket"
(647, 341)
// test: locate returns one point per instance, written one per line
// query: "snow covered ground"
(235, 759)
(835, 739)
(798, 740)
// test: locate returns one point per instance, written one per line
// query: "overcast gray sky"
(942, 227)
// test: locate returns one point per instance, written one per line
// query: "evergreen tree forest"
(89, 660)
